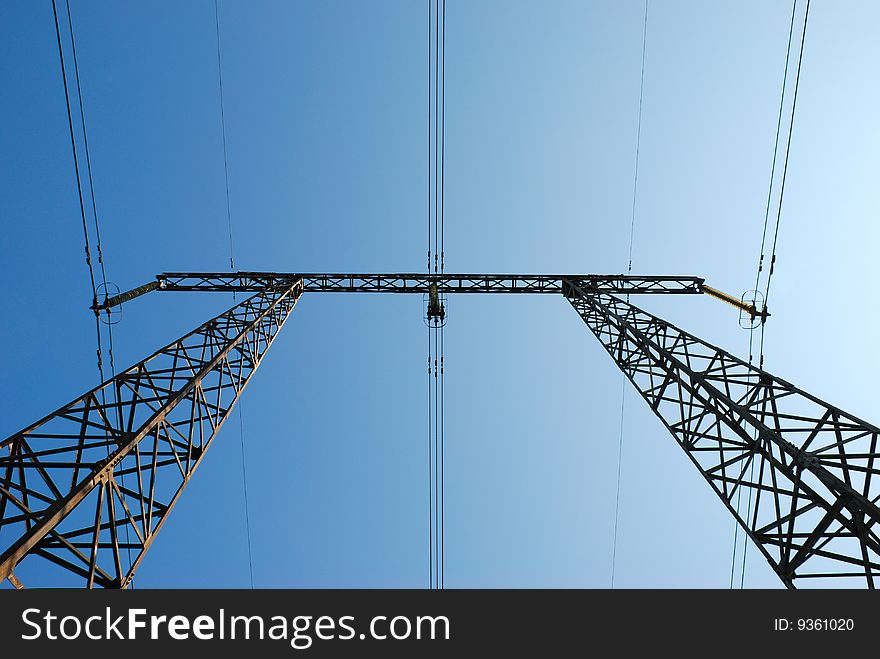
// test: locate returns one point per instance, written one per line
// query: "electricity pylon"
(88, 487)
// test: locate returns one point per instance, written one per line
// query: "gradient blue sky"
(326, 111)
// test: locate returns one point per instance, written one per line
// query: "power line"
(763, 243)
(761, 256)
(430, 146)
(96, 221)
(738, 497)
(775, 148)
(638, 137)
(92, 196)
(436, 69)
(764, 240)
(223, 130)
(442, 327)
(735, 539)
(100, 250)
(745, 552)
(82, 206)
(436, 133)
(430, 351)
(787, 152)
(443, 150)
(430, 478)
(95, 217)
(437, 464)
(617, 494)
(632, 227)
(442, 460)
(79, 185)
(247, 513)
(82, 116)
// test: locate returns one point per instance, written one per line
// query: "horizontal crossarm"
(420, 283)
(409, 283)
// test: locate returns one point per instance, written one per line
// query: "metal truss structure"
(420, 283)
(810, 467)
(409, 283)
(88, 487)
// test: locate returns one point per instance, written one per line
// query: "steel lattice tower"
(92, 483)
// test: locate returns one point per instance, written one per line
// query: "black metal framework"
(809, 467)
(89, 486)
(421, 283)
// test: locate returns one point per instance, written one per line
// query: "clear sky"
(326, 120)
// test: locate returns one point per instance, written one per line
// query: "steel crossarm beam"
(89, 486)
(421, 283)
(798, 474)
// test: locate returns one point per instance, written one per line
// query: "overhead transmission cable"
(787, 152)
(96, 222)
(767, 212)
(443, 327)
(778, 208)
(443, 145)
(429, 79)
(79, 186)
(430, 149)
(436, 61)
(223, 130)
(632, 227)
(436, 135)
(99, 247)
(761, 267)
(247, 514)
(438, 558)
(430, 476)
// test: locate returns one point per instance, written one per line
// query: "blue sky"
(326, 109)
